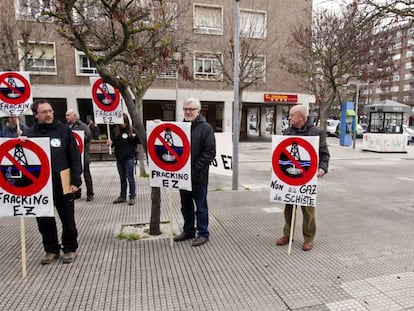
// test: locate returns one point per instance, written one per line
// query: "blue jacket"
(12, 131)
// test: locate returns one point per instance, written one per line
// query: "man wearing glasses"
(64, 155)
(203, 151)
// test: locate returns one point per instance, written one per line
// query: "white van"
(331, 126)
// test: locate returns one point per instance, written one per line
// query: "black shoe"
(89, 197)
(184, 236)
(77, 195)
(199, 241)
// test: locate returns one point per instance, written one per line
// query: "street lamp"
(177, 59)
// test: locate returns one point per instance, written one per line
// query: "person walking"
(74, 123)
(302, 125)
(11, 129)
(124, 139)
(203, 151)
(64, 155)
(94, 130)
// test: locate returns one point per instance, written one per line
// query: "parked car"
(331, 126)
(359, 131)
(409, 132)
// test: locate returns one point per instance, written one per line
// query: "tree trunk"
(155, 211)
(135, 110)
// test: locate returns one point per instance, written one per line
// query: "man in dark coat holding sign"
(66, 166)
(301, 125)
(203, 151)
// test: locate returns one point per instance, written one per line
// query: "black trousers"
(47, 226)
(88, 179)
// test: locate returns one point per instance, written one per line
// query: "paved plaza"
(363, 258)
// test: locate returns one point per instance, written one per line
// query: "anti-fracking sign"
(294, 169)
(25, 177)
(15, 92)
(169, 154)
(222, 163)
(107, 106)
(80, 141)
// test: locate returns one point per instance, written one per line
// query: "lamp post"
(356, 115)
(235, 162)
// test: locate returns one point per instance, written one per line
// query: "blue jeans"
(199, 197)
(126, 173)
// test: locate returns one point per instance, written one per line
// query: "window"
(385, 122)
(396, 56)
(38, 58)
(84, 66)
(256, 69)
(408, 65)
(206, 66)
(409, 54)
(31, 9)
(252, 24)
(208, 19)
(169, 71)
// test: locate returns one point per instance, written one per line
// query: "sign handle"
(18, 125)
(170, 217)
(108, 133)
(292, 228)
(23, 246)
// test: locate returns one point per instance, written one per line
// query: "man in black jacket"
(64, 155)
(203, 151)
(301, 125)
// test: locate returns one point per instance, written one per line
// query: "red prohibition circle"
(114, 101)
(79, 140)
(38, 182)
(156, 133)
(304, 177)
(23, 96)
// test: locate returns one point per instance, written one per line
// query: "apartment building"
(401, 87)
(61, 74)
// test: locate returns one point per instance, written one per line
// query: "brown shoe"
(48, 258)
(199, 241)
(69, 257)
(283, 240)
(119, 200)
(307, 246)
(184, 236)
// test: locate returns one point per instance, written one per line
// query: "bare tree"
(12, 31)
(256, 47)
(338, 48)
(130, 42)
(396, 10)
